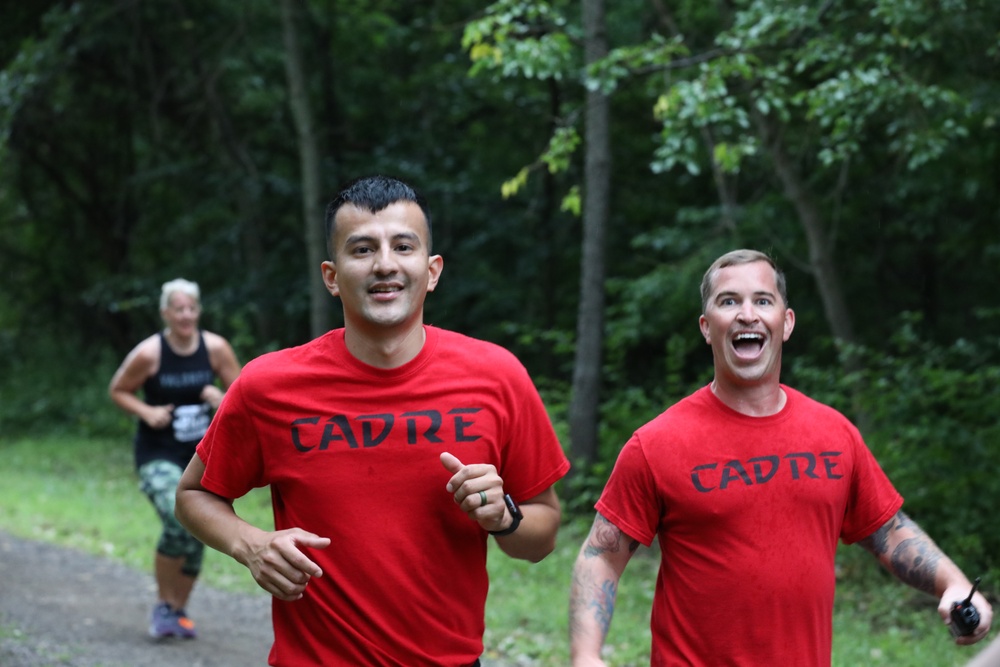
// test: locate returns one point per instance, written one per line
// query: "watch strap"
(515, 513)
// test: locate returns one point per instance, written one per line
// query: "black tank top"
(179, 381)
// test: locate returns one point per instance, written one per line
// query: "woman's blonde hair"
(178, 285)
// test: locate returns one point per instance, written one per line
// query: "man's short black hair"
(373, 193)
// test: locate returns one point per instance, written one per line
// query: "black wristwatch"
(515, 513)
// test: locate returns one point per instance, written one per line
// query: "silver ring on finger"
(482, 499)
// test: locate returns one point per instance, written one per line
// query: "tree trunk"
(820, 246)
(585, 402)
(314, 237)
(821, 263)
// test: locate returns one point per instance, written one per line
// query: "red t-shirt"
(351, 452)
(748, 512)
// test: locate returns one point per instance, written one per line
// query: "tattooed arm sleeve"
(904, 549)
(598, 568)
(907, 552)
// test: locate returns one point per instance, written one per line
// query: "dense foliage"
(858, 142)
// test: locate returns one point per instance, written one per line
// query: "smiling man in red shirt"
(393, 451)
(748, 485)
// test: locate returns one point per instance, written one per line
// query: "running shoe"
(185, 626)
(166, 622)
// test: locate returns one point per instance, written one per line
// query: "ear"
(789, 324)
(703, 325)
(329, 270)
(435, 265)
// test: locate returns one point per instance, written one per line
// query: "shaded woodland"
(584, 162)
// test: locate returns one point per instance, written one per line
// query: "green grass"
(83, 493)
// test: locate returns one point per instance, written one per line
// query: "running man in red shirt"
(393, 450)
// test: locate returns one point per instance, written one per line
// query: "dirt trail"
(65, 608)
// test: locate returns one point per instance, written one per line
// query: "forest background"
(584, 163)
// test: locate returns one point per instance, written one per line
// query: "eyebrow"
(731, 293)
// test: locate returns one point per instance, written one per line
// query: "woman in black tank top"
(181, 374)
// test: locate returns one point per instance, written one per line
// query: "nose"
(385, 262)
(747, 312)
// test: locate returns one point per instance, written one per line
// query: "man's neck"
(760, 400)
(385, 351)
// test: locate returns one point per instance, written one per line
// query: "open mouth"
(748, 344)
(385, 289)
(385, 293)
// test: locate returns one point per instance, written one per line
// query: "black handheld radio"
(964, 617)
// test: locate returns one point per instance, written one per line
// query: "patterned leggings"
(158, 480)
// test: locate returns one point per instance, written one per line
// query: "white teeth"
(748, 336)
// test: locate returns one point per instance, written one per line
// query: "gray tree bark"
(585, 402)
(820, 245)
(314, 236)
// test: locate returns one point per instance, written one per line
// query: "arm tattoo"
(606, 537)
(604, 605)
(914, 559)
(915, 562)
(878, 542)
(595, 596)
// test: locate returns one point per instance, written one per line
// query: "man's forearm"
(592, 599)
(594, 589)
(911, 555)
(535, 538)
(209, 518)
